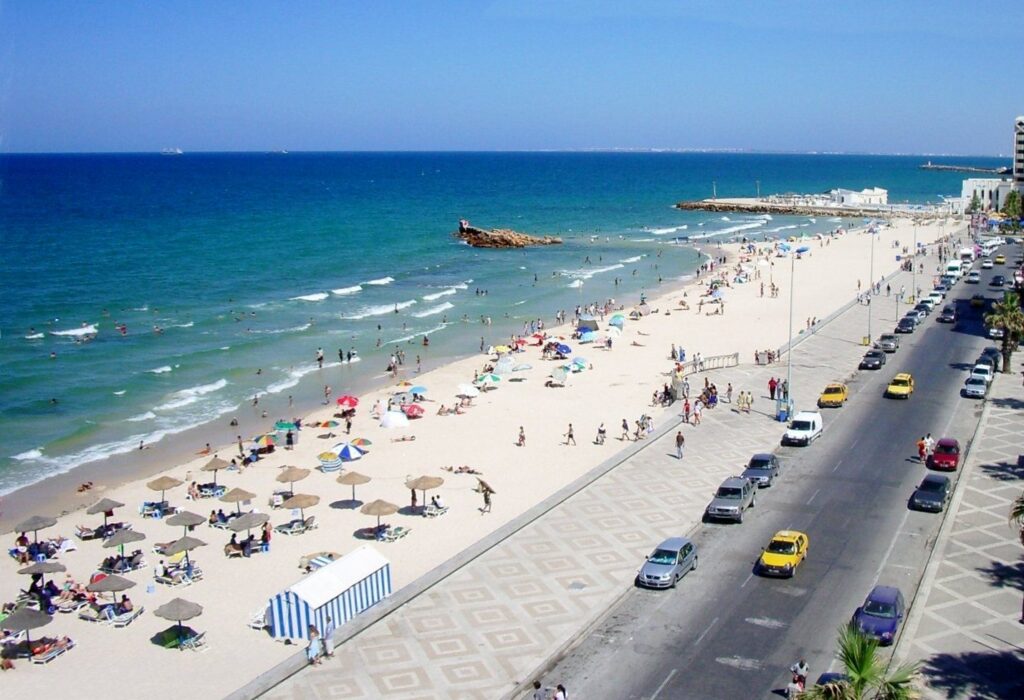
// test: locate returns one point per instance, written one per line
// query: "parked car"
(974, 388)
(973, 277)
(731, 500)
(936, 298)
(932, 494)
(881, 614)
(948, 314)
(994, 333)
(983, 371)
(784, 553)
(888, 342)
(873, 359)
(805, 427)
(986, 264)
(901, 386)
(946, 456)
(763, 469)
(994, 354)
(923, 309)
(906, 325)
(834, 395)
(669, 562)
(942, 288)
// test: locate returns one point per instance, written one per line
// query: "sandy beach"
(618, 386)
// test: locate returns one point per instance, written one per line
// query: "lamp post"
(871, 282)
(789, 351)
(913, 267)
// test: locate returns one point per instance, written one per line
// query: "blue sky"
(910, 77)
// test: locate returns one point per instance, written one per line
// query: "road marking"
(738, 662)
(813, 497)
(706, 630)
(892, 544)
(663, 684)
(837, 465)
(854, 443)
(768, 622)
(745, 582)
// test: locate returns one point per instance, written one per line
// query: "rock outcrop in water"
(500, 237)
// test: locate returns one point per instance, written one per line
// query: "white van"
(967, 254)
(805, 427)
(955, 268)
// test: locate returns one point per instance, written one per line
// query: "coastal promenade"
(484, 631)
(965, 628)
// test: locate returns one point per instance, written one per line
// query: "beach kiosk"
(340, 590)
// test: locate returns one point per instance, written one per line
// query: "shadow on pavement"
(1005, 575)
(995, 674)
(1003, 471)
(1007, 403)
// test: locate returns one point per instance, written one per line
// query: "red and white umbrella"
(412, 410)
(348, 401)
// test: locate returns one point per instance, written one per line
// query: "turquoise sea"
(250, 262)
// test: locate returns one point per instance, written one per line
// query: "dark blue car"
(881, 615)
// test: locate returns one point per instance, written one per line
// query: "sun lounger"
(70, 606)
(295, 527)
(92, 613)
(220, 525)
(433, 511)
(195, 643)
(310, 523)
(396, 533)
(258, 619)
(125, 619)
(48, 654)
(85, 533)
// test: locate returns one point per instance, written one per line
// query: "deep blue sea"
(250, 262)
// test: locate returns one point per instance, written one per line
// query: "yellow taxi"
(999, 260)
(835, 396)
(786, 551)
(901, 386)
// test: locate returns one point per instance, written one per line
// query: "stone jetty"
(500, 237)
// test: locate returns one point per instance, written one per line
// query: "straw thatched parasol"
(237, 496)
(104, 505)
(186, 544)
(289, 475)
(179, 610)
(215, 465)
(43, 567)
(185, 519)
(121, 538)
(25, 619)
(301, 501)
(247, 522)
(424, 483)
(484, 486)
(110, 584)
(35, 523)
(353, 479)
(163, 484)
(379, 508)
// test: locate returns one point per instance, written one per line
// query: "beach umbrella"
(347, 452)
(424, 483)
(301, 501)
(284, 425)
(123, 537)
(563, 349)
(26, 619)
(487, 379)
(802, 249)
(522, 368)
(484, 486)
(468, 390)
(215, 465)
(413, 410)
(418, 389)
(327, 424)
(267, 440)
(353, 479)
(588, 337)
(163, 484)
(105, 506)
(289, 475)
(362, 443)
(237, 496)
(34, 524)
(111, 583)
(186, 544)
(581, 361)
(379, 508)
(560, 375)
(394, 419)
(618, 320)
(348, 401)
(504, 365)
(248, 521)
(187, 519)
(613, 331)
(42, 567)
(179, 610)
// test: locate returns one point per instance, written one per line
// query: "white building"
(990, 191)
(874, 197)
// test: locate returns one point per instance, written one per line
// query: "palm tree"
(1006, 314)
(865, 673)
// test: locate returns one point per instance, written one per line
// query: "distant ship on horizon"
(171, 152)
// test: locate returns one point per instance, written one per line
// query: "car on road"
(935, 297)
(946, 455)
(948, 280)
(763, 469)
(669, 562)
(901, 386)
(974, 277)
(873, 359)
(834, 396)
(999, 259)
(977, 301)
(994, 355)
(984, 372)
(932, 494)
(974, 388)
(923, 309)
(888, 342)
(906, 325)
(732, 499)
(785, 552)
(948, 314)
(881, 614)
(986, 264)
(805, 427)
(998, 281)
(994, 333)
(942, 288)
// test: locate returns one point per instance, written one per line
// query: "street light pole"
(871, 282)
(913, 268)
(789, 351)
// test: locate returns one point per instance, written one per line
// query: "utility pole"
(871, 283)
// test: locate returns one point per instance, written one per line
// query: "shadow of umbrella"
(178, 610)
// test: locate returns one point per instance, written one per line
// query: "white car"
(986, 264)
(983, 371)
(975, 388)
(936, 298)
(930, 301)
(995, 333)
(973, 278)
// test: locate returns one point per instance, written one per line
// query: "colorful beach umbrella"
(362, 443)
(588, 337)
(502, 349)
(490, 378)
(617, 320)
(267, 440)
(348, 401)
(347, 452)
(327, 424)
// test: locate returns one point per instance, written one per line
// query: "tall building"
(1018, 154)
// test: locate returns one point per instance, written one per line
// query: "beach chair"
(310, 523)
(433, 511)
(295, 527)
(172, 580)
(92, 613)
(258, 619)
(50, 653)
(396, 533)
(85, 533)
(71, 606)
(276, 500)
(195, 643)
(232, 552)
(125, 619)
(63, 545)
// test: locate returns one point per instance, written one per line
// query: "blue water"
(235, 257)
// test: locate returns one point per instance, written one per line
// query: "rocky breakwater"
(500, 237)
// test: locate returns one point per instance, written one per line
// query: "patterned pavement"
(968, 631)
(486, 628)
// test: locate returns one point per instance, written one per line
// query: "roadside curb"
(938, 551)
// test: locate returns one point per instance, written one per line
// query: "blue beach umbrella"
(563, 349)
(418, 389)
(347, 452)
(581, 361)
(617, 320)
(802, 249)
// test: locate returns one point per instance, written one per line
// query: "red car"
(946, 456)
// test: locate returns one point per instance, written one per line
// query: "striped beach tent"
(340, 590)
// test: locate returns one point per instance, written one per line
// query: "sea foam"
(319, 296)
(345, 291)
(437, 295)
(185, 397)
(381, 281)
(434, 310)
(84, 330)
(379, 310)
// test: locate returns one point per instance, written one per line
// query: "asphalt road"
(727, 633)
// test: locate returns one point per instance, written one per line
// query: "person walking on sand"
(522, 438)
(728, 393)
(625, 431)
(487, 502)
(772, 386)
(680, 442)
(570, 438)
